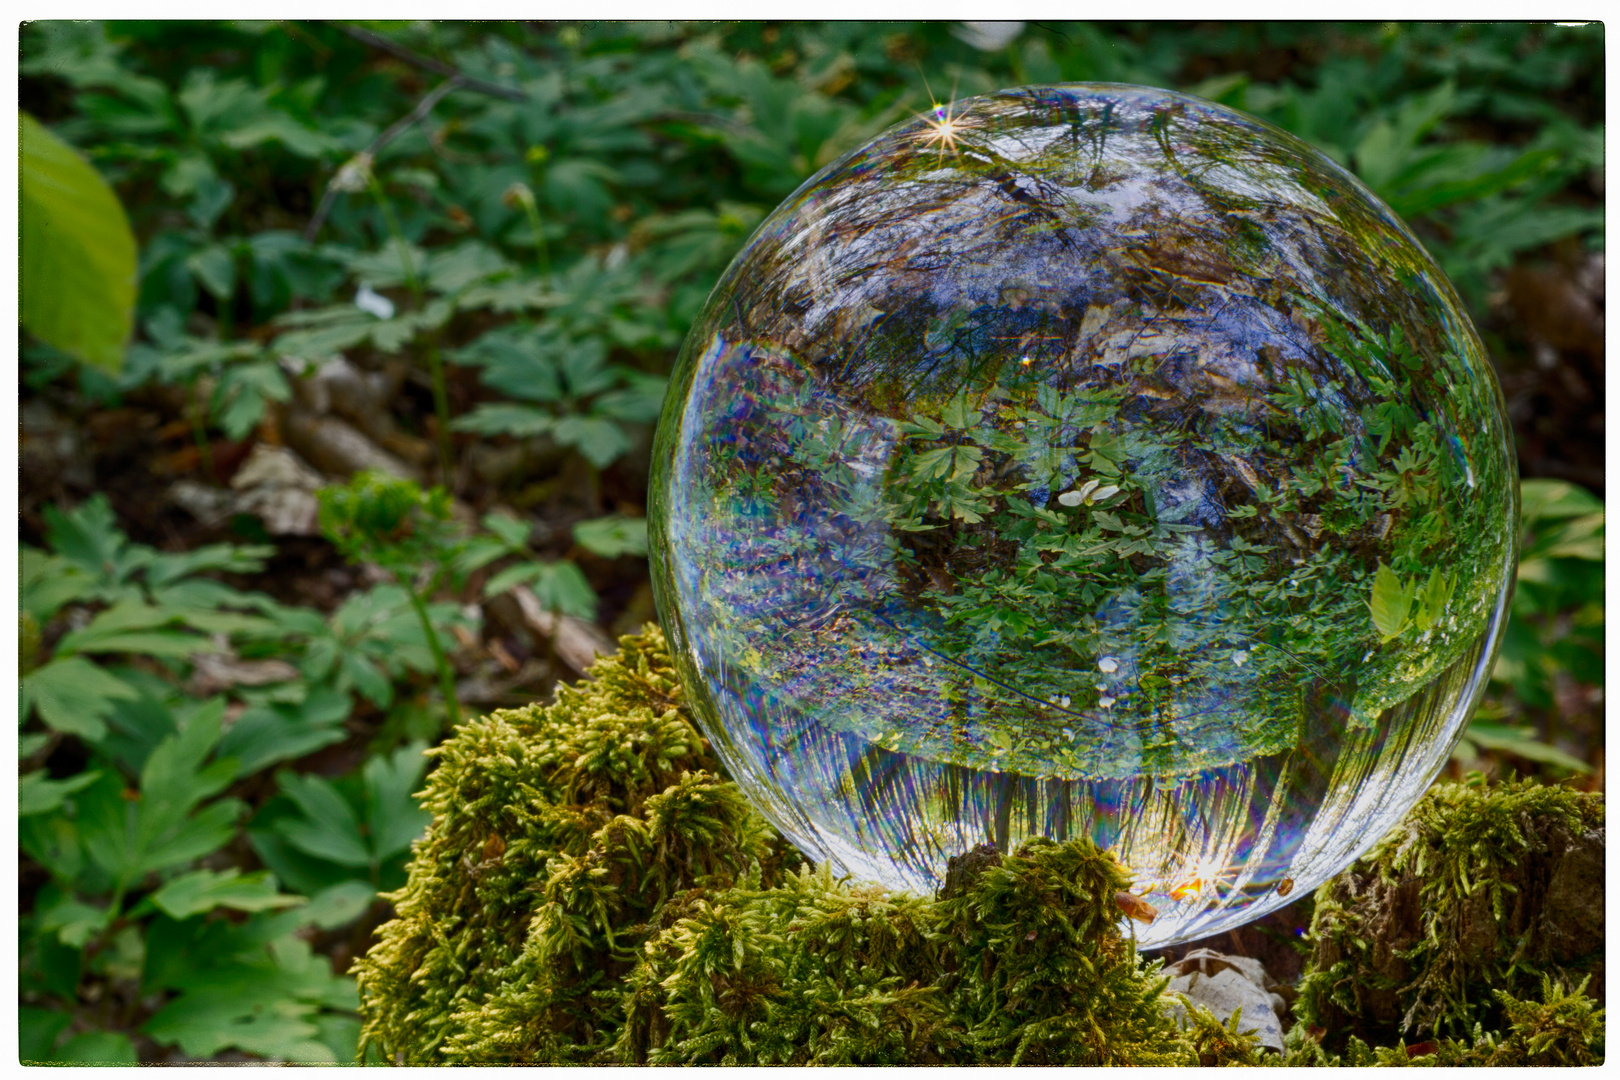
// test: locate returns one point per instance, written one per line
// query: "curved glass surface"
(1085, 460)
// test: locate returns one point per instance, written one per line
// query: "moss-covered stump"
(1484, 901)
(592, 890)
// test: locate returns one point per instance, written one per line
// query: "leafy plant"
(78, 255)
(395, 525)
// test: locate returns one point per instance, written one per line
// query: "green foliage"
(137, 900)
(1560, 581)
(540, 260)
(78, 255)
(1479, 890)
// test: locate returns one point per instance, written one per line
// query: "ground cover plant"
(335, 433)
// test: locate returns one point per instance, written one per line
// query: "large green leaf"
(78, 254)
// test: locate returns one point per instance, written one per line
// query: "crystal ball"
(1085, 461)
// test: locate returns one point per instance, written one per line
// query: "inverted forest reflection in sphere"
(1086, 460)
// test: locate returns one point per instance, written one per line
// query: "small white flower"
(355, 175)
(1064, 701)
(988, 36)
(1240, 657)
(1068, 733)
(372, 302)
(1108, 665)
(1106, 702)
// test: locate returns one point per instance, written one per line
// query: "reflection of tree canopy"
(937, 343)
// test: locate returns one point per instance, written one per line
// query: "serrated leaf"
(393, 817)
(77, 253)
(265, 734)
(75, 696)
(204, 890)
(1432, 600)
(97, 1048)
(1389, 603)
(327, 827)
(37, 793)
(506, 418)
(613, 536)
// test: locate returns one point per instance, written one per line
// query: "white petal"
(373, 302)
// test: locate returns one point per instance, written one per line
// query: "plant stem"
(441, 396)
(447, 678)
(441, 407)
(199, 432)
(412, 282)
(542, 260)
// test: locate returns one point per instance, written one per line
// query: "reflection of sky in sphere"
(1029, 474)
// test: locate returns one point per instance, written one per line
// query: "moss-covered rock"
(1467, 904)
(592, 890)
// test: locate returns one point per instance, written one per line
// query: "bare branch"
(369, 154)
(427, 63)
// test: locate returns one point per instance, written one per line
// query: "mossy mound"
(592, 890)
(1483, 898)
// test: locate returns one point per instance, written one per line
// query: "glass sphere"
(1085, 460)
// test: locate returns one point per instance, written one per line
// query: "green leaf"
(77, 265)
(72, 920)
(1432, 601)
(215, 270)
(204, 890)
(1390, 602)
(203, 1023)
(266, 734)
(37, 1032)
(613, 536)
(37, 793)
(74, 696)
(1540, 500)
(600, 441)
(328, 827)
(98, 1048)
(135, 627)
(559, 586)
(506, 418)
(393, 817)
(128, 837)
(1522, 743)
(49, 582)
(513, 532)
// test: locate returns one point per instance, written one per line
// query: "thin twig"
(454, 79)
(394, 131)
(427, 63)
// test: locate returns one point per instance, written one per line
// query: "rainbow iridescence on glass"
(1086, 460)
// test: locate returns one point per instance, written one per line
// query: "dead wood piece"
(576, 642)
(213, 673)
(337, 448)
(1223, 984)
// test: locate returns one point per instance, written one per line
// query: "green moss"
(1480, 891)
(592, 890)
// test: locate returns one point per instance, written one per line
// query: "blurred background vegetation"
(372, 261)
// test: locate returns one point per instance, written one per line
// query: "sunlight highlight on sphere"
(1087, 460)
